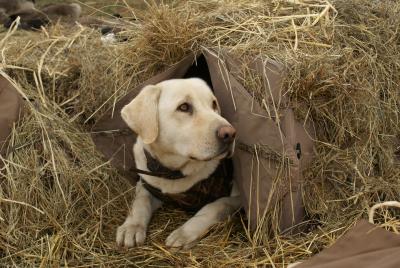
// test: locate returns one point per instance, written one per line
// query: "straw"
(61, 203)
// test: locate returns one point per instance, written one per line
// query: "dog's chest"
(217, 185)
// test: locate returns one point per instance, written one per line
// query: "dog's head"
(181, 117)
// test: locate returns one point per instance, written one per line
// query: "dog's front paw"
(130, 235)
(181, 238)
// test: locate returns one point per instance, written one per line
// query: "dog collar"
(156, 169)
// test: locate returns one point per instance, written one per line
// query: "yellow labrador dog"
(179, 126)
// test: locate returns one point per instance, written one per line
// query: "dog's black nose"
(226, 134)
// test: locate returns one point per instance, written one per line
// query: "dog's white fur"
(179, 140)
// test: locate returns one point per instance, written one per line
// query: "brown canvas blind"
(365, 245)
(10, 109)
(254, 172)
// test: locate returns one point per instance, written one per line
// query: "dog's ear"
(141, 114)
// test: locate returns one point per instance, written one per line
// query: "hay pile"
(60, 203)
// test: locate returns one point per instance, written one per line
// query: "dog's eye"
(215, 105)
(185, 107)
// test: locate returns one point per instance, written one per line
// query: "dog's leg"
(199, 224)
(133, 231)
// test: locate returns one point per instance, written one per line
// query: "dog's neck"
(167, 159)
(158, 169)
(175, 162)
(193, 170)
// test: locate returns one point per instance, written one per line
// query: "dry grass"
(60, 204)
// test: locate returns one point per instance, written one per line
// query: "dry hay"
(60, 203)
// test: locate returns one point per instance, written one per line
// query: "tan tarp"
(255, 129)
(365, 245)
(10, 108)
